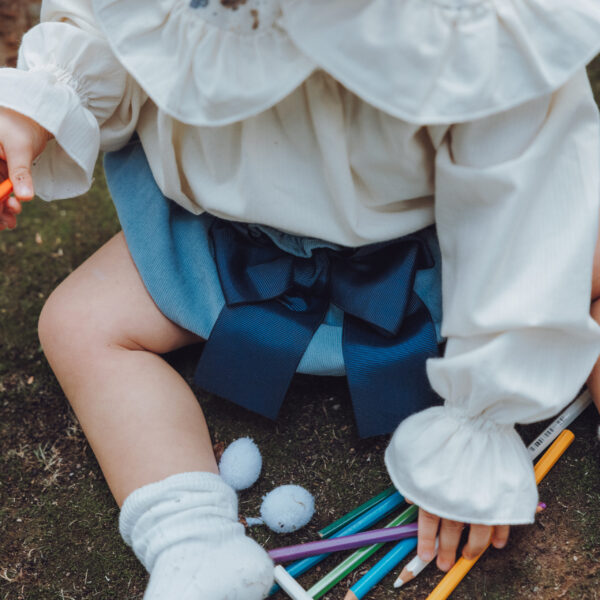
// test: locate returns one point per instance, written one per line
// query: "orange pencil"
(455, 575)
(6, 188)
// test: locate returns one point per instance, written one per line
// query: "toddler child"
(278, 167)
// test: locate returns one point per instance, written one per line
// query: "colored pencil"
(289, 585)
(6, 188)
(414, 567)
(348, 565)
(355, 513)
(346, 542)
(372, 516)
(561, 422)
(381, 569)
(462, 566)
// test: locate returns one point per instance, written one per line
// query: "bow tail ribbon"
(386, 375)
(253, 352)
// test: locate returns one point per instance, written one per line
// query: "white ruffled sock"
(185, 531)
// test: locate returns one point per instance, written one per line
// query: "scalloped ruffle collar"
(204, 65)
(446, 61)
(423, 61)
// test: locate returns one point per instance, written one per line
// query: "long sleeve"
(69, 81)
(517, 204)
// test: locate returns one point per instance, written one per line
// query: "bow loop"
(381, 278)
(249, 271)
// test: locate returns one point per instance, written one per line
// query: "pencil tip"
(350, 595)
(404, 577)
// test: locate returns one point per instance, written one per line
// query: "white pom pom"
(241, 463)
(287, 508)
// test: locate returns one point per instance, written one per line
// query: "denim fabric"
(170, 248)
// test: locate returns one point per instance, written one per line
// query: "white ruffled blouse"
(358, 121)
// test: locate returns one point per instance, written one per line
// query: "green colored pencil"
(353, 514)
(357, 558)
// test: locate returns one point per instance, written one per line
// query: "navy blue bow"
(275, 302)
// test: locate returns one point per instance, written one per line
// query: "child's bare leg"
(102, 334)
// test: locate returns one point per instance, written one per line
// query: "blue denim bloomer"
(172, 251)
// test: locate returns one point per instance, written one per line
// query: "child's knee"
(67, 325)
(55, 323)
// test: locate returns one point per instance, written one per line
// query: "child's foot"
(185, 532)
(235, 570)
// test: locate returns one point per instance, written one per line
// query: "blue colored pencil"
(400, 551)
(375, 514)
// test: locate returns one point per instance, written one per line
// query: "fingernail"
(23, 190)
(427, 555)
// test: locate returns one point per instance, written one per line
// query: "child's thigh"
(104, 301)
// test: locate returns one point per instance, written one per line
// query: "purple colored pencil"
(346, 542)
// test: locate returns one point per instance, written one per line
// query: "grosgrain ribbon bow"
(275, 302)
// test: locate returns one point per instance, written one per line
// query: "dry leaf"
(218, 449)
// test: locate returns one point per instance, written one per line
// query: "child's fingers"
(428, 528)
(500, 536)
(8, 220)
(9, 209)
(450, 532)
(479, 538)
(12, 205)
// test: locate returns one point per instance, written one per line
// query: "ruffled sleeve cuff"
(467, 469)
(47, 96)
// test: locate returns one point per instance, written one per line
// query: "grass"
(58, 521)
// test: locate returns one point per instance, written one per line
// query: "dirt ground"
(58, 521)
(16, 17)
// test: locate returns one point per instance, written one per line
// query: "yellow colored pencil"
(455, 575)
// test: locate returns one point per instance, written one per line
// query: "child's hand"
(21, 141)
(449, 532)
